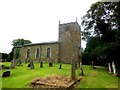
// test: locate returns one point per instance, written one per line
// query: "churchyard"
(21, 76)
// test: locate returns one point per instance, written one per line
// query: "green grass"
(98, 78)
(21, 76)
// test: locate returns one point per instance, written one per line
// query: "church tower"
(70, 41)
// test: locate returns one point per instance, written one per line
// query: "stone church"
(66, 49)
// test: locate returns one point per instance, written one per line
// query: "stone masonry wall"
(43, 50)
(69, 39)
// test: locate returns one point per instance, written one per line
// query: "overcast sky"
(37, 20)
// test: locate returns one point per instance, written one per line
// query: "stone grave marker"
(31, 65)
(6, 74)
(60, 66)
(50, 64)
(41, 64)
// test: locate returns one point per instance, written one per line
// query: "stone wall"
(43, 50)
(69, 39)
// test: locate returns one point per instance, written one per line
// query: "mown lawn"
(98, 78)
(21, 76)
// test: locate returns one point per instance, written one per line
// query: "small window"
(28, 53)
(48, 52)
(38, 53)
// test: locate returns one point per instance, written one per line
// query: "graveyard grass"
(21, 76)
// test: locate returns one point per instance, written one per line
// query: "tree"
(18, 42)
(4, 56)
(103, 17)
(102, 21)
(94, 52)
(15, 43)
(10, 56)
(17, 53)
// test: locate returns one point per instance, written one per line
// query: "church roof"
(42, 43)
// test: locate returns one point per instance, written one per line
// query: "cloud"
(36, 20)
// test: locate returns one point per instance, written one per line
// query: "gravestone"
(41, 64)
(19, 62)
(114, 68)
(6, 74)
(109, 67)
(13, 63)
(31, 65)
(81, 69)
(50, 64)
(28, 65)
(60, 66)
(93, 65)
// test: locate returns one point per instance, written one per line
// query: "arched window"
(38, 53)
(48, 53)
(28, 53)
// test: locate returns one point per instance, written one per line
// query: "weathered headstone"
(114, 68)
(19, 62)
(13, 63)
(73, 69)
(81, 69)
(28, 65)
(41, 64)
(60, 66)
(50, 64)
(6, 74)
(31, 65)
(93, 65)
(109, 67)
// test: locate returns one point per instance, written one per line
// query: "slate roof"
(42, 43)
